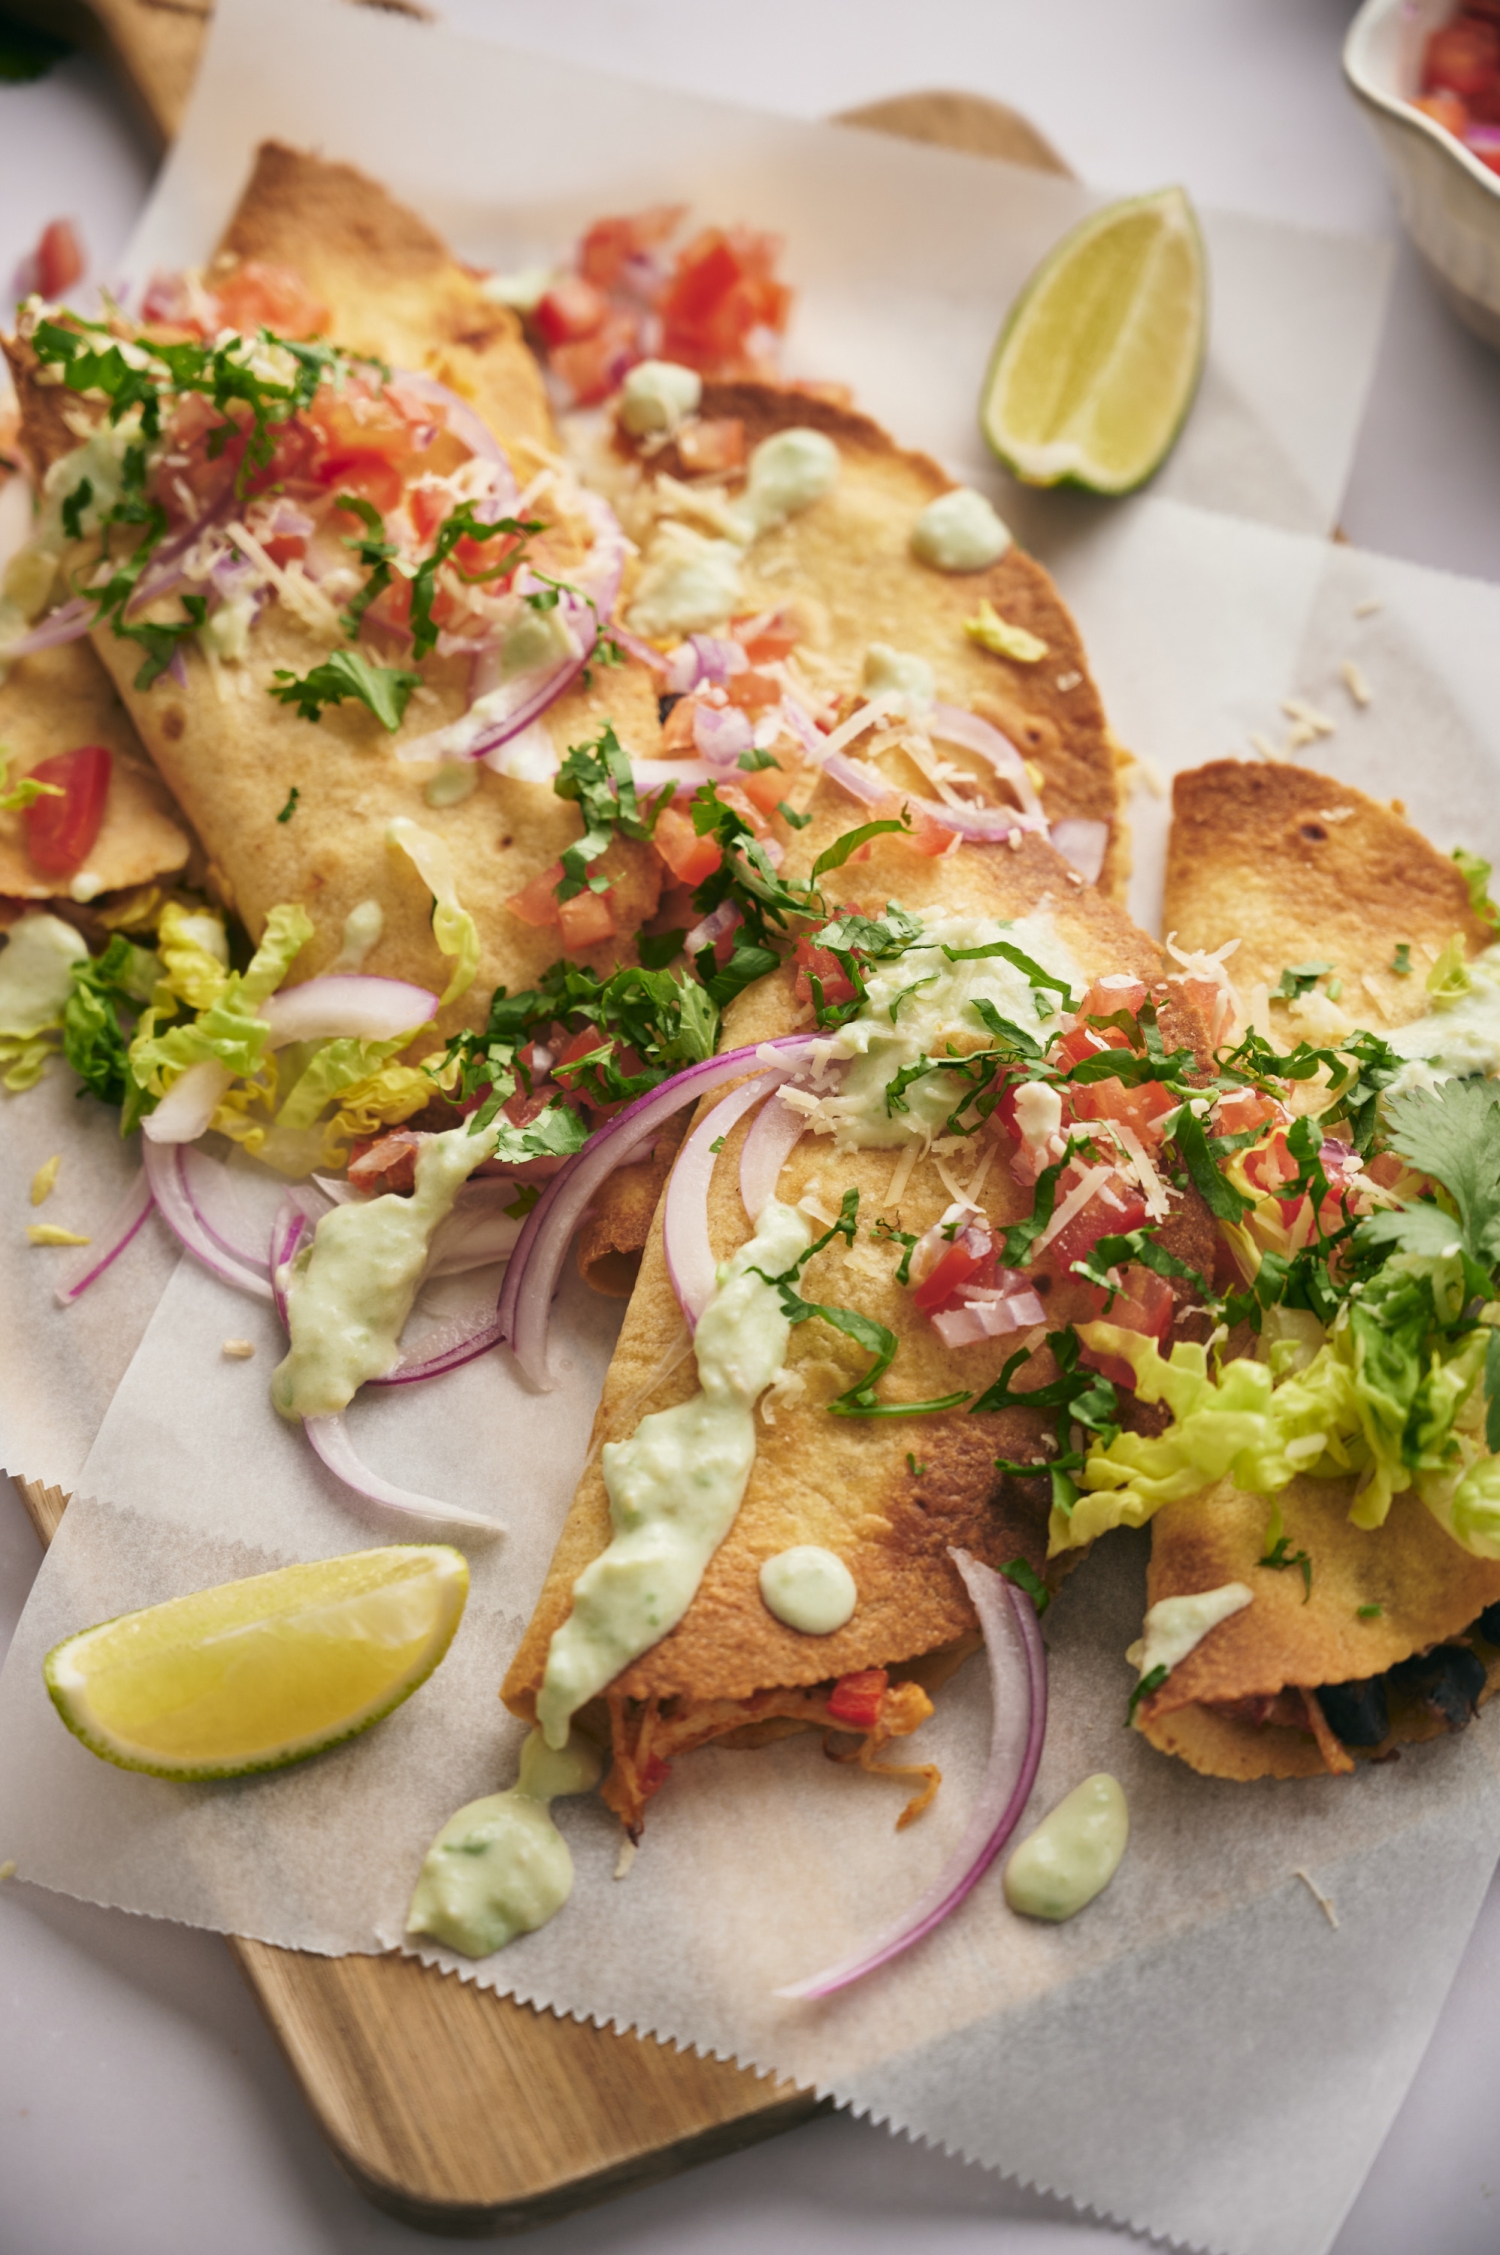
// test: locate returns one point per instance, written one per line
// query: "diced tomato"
(652, 1775)
(536, 903)
(722, 290)
(1145, 1304)
(753, 692)
(1270, 1164)
(814, 962)
(429, 505)
(608, 248)
(373, 477)
(855, 1700)
(1447, 110)
(677, 728)
(926, 835)
(285, 547)
(1387, 1169)
(359, 421)
(1087, 1041)
(260, 296)
(586, 919)
(386, 1162)
(714, 446)
(581, 1045)
(1118, 992)
(689, 857)
(60, 832)
(970, 1259)
(1242, 1108)
(571, 309)
(594, 366)
(1142, 1109)
(1463, 57)
(59, 258)
(774, 637)
(1115, 1208)
(766, 787)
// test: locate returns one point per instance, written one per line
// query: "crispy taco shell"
(887, 1495)
(1307, 868)
(845, 568)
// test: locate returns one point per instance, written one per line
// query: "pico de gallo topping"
(1461, 80)
(236, 468)
(714, 304)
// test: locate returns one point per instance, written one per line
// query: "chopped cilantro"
(882, 1228)
(74, 506)
(348, 673)
(1401, 963)
(717, 1144)
(917, 1471)
(1143, 1690)
(1476, 875)
(790, 814)
(1298, 979)
(1028, 1579)
(1034, 972)
(658, 949)
(1279, 1556)
(462, 524)
(291, 805)
(1368, 1612)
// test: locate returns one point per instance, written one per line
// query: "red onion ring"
(717, 925)
(469, 426)
(982, 825)
(691, 1266)
(536, 1264)
(766, 1150)
(1082, 843)
(189, 1104)
(346, 1004)
(109, 1242)
(1018, 1685)
(163, 1167)
(642, 652)
(287, 1232)
(204, 1180)
(446, 1347)
(955, 726)
(67, 624)
(330, 1440)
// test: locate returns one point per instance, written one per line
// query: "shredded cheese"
(1354, 681)
(1078, 1197)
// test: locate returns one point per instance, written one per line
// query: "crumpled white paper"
(1202, 2053)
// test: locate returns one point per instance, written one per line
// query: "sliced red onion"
(642, 652)
(766, 1150)
(474, 1238)
(721, 733)
(1018, 1686)
(164, 1173)
(991, 1316)
(348, 1004)
(690, 1260)
(1082, 843)
(108, 1243)
(446, 1347)
(800, 723)
(536, 1264)
(189, 1104)
(521, 701)
(287, 1232)
(981, 825)
(330, 1439)
(209, 1193)
(953, 725)
(67, 624)
(469, 426)
(717, 925)
(719, 657)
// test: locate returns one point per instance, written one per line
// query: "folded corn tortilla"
(889, 1496)
(845, 570)
(56, 701)
(1299, 866)
(231, 755)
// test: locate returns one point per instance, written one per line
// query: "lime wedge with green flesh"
(1100, 355)
(259, 1673)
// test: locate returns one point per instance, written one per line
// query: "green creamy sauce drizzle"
(959, 532)
(674, 1487)
(1176, 1626)
(920, 1003)
(501, 1867)
(809, 1589)
(1073, 1854)
(350, 1292)
(1460, 1037)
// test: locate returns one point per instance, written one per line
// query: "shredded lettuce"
(1390, 1397)
(36, 975)
(226, 1026)
(453, 928)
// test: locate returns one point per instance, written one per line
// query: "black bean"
(1358, 1713)
(1488, 1624)
(1447, 1680)
(664, 706)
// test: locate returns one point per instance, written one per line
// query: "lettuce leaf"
(226, 1026)
(453, 928)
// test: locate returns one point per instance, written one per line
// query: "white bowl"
(1449, 202)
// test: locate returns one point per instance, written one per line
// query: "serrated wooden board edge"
(452, 2108)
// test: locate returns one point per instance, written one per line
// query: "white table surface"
(144, 2109)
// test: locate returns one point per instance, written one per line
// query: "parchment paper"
(1202, 2054)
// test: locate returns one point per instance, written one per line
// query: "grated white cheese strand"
(1158, 1201)
(1308, 716)
(1077, 1198)
(1354, 681)
(1368, 608)
(1264, 746)
(901, 1176)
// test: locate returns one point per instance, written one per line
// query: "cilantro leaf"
(834, 856)
(1150, 1682)
(348, 673)
(1452, 1132)
(1036, 975)
(1028, 1579)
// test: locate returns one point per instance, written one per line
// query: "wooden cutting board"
(458, 2110)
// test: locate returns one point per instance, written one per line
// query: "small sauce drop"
(809, 1588)
(1073, 1854)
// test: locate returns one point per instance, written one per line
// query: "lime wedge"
(1100, 355)
(255, 1674)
